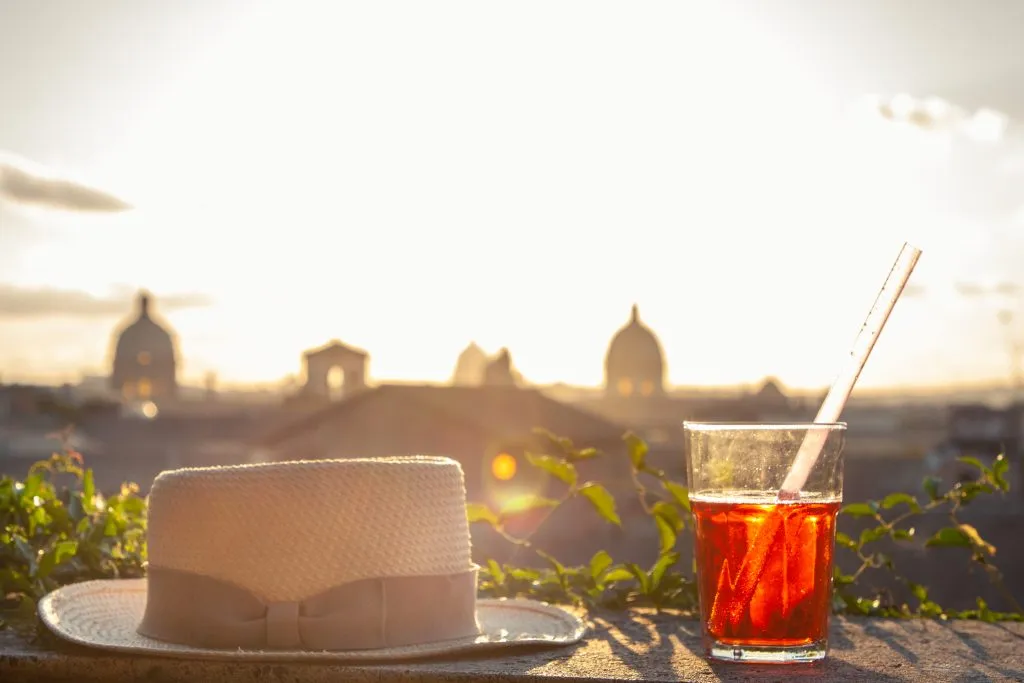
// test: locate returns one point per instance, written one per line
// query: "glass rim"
(705, 426)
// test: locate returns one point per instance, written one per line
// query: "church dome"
(635, 364)
(145, 334)
(144, 357)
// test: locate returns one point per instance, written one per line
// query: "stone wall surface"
(640, 646)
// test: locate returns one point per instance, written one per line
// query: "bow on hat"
(203, 611)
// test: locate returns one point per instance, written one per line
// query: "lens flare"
(503, 467)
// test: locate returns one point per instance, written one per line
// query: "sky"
(410, 177)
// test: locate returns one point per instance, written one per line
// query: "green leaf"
(894, 499)
(586, 453)
(133, 506)
(984, 613)
(669, 512)
(641, 577)
(497, 575)
(31, 487)
(637, 448)
(556, 467)
(903, 534)
(657, 572)
(564, 445)
(919, 591)
(666, 535)
(618, 574)
(870, 535)
(37, 518)
(521, 574)
(681, 494)
(841, 579)
(555, 564)
(931, 487)
(599, 563)
(88, 490)
(867, 606)
(478, 512)
(844, 540)
(522, 504)
(858, 510)
(55, 556)
(976, 540)
(999, 469)
(602, 501)
(949, 536)
(968, 491)
(971, 460)
(83, 525)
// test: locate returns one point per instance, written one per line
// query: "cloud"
(30, 303)
(22, 182)
(938, 115)
(969, 162)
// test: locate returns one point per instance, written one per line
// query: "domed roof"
(145, 334)
(635, 353)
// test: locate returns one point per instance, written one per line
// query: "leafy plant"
(604, 582)
(601, 582)
(56, 528)
(902, 509)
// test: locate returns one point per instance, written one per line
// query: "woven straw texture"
(286, 531)
(104, 614)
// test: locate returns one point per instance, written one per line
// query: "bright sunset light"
(520, 183)
(650, 335)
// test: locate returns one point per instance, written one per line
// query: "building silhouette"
(334, 356)
(470, 366)
(145, 361)
(500, 372)
(635, 362)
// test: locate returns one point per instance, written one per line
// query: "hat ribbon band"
(373, 613)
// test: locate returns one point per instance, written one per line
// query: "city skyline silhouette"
(747, 197)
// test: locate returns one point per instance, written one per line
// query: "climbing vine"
(56, 528)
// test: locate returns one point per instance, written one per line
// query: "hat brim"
(105, 614)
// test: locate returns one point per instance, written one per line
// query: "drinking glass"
(764, 559)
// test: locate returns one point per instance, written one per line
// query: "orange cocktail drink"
(764, 562)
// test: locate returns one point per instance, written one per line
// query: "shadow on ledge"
(641, 645)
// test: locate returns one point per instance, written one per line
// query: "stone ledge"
(637, 646)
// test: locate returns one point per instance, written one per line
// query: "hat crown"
(285, 531)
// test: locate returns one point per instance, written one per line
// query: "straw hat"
(357, 560)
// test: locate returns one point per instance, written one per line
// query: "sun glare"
(503, 467)
(734, 192)
(518, 503)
